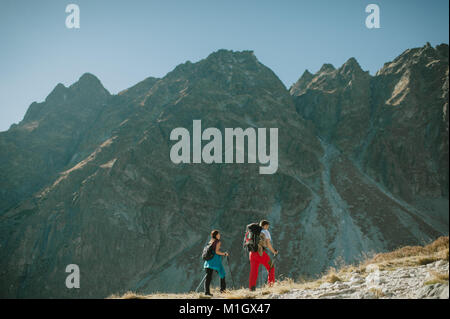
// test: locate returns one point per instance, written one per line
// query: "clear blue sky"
(123, 42)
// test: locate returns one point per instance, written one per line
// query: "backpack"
(209, 250)
(251, 238)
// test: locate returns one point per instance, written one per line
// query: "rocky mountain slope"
(406, 273)
(87, 178)
(415, 282)
(393, 126)
(42, 144)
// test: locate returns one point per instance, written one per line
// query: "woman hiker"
(215, 263)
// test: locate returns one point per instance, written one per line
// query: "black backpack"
(209, 250)
(251, 238)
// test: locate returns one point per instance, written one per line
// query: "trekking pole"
(273, 262)
(231, 275)
(274, 259)
(200, 283)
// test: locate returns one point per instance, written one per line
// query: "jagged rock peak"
(421, 55)
(306, 74)
(88, 77)
(223, 53)
(327, 67)
(351, 63)
(443, 49)
(302, 83)
(87, 88)
(58, 92)
(306, 77)
(222, 59)
(88, 81)
(58, 88)
(350, 66)
(224, 56)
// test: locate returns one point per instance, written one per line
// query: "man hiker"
(265, 230)
(261, 257)
(214, 263)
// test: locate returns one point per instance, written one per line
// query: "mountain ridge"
(117, 196)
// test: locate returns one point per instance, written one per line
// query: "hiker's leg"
(271, 278)
(254, 265)
(270, 270)
(221, 271)
(223, 284)
(209, 273)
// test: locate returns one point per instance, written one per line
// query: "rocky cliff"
(87, 178)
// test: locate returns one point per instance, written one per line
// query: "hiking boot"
(208, 294)
(252, 288)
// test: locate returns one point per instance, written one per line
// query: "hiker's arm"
(269, 245)
(218, 252)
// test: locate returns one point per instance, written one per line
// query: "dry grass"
(134, 295)
(436, 248)
(438, 278)
(332, 277)
(378, 293)
(408, 256)
(427, 260)
(280, 287)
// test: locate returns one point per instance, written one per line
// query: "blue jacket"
(216, 264)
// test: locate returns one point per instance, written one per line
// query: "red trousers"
(255, 261)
